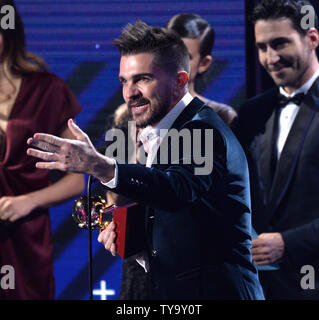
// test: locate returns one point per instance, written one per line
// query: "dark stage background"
(74, 37)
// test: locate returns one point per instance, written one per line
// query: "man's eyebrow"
(136, 76)
(280, 39)
(273, 41)
(260, 44)
(145, 74)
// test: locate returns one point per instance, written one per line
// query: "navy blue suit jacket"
(197, 226)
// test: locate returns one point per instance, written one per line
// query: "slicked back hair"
(192, 26)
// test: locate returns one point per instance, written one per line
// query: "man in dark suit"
(279, 131)
(197, 220)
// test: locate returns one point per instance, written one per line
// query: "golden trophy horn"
(129, 221)
(101, 213)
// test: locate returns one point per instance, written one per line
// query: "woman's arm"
(69, 186)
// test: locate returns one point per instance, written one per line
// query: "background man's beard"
(290, 80)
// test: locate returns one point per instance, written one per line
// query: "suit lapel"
(267, 152)
(290, 154)
(186, 115)
(261, 149)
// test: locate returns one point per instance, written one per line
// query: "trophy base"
(130, 229)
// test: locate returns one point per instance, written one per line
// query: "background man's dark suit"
(285, 195)
(198, 226)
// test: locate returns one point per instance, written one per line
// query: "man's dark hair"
(167, 47)
(276, 9)
(192, 26)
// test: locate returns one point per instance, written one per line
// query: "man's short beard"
(156, 115)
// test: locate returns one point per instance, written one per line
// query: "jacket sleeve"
(302, 244)
(177, 185)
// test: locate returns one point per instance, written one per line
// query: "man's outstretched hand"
(78, 155)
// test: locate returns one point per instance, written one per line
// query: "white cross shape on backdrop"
(103, 292)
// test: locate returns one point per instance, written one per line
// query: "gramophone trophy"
(129, 221)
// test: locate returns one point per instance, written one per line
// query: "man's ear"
(313, 37)
(205, 63)
(180, 84)
(182, 79)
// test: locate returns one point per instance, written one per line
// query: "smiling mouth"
(278, 68)
(138, 104)
(139, 108)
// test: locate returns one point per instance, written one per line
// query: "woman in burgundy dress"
(31, 100)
